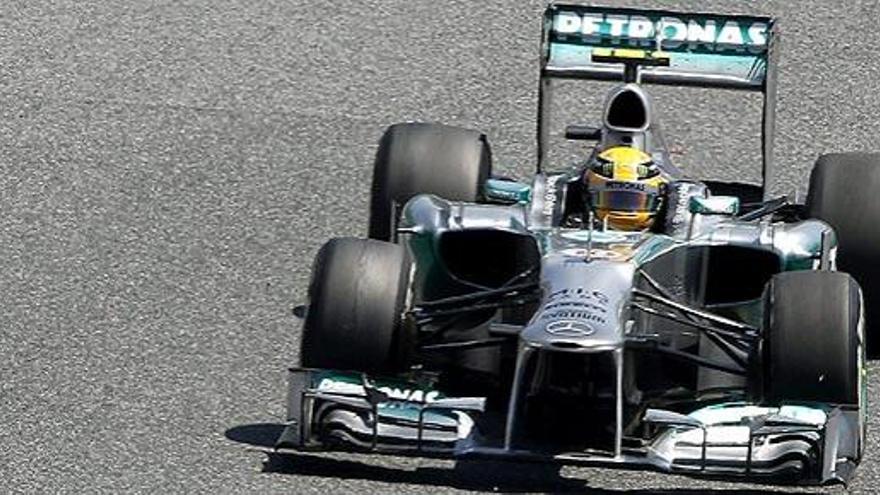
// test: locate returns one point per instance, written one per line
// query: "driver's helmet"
(624, 188)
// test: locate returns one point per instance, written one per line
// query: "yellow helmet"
(624, 187)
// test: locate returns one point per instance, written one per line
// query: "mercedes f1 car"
(614, 312)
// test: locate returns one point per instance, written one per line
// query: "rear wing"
(705, 50)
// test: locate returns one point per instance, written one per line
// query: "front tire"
(356, 301)
(812, 347)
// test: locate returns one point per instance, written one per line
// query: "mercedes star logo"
(569, 328)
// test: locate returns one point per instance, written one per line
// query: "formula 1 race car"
(614, 313)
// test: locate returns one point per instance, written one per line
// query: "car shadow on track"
(484, 476)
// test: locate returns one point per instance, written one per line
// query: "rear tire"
(450, 162)
(844, 192)
(812, 347)
(356, 300)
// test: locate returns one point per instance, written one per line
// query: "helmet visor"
(625, 200)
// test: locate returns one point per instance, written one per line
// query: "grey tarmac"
(168, 169)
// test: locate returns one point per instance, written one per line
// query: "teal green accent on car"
(423, 249)
(651, 247)
(713, 49)
(405, 398)
(544, 239)
(748, 68)
(395, 387)
(431, 273)
(794, 263)
(507, 191)
(714, 205)
(720, 35)
(808, 253)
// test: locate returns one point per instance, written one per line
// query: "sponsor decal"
(625, 186)
(716, 35)
(569, 328)
(576, 304)
(332, 385)
(550, 196)
(615, 252)
(681, 211)
(580, 293)
(678, 197)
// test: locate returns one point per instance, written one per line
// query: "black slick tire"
(413, 158)
(811, 349)
(845, 192)
(356, 299)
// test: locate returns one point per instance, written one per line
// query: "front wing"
(332, 410)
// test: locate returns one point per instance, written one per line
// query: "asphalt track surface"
(169, 169)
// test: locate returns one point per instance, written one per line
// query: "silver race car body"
(587, 345)
(597, 306)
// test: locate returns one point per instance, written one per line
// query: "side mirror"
(714, 205)
(583, 133)
(506, 191)
(662, 417)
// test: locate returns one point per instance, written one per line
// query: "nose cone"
(583, 306)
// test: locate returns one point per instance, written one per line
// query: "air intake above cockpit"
(627, 110)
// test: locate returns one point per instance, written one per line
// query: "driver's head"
(624, 188)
